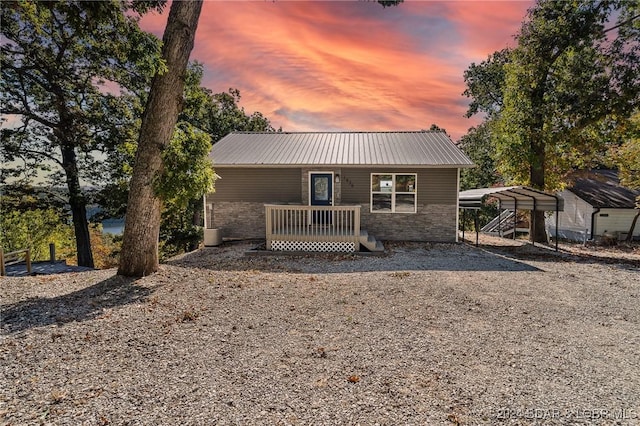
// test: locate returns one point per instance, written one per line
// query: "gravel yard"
(426, 334)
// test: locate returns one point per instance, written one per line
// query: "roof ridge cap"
(335, 132)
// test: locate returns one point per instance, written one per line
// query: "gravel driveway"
(424, 335)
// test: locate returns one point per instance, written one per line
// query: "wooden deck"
(312, 224)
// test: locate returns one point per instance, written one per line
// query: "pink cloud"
(353, 65)
(488, 26)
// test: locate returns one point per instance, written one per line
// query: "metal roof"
(358, 149)
(601, 188)
(512, 197)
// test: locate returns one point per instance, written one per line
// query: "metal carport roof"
(512, 198)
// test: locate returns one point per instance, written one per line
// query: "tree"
(34, 229)
(57, 59)
(626, 157)
(188, 172)
(435, 128)
(566, 86)
(31, 218)
(187, 176)
(485, 84)
(477, 144)
(139, 255)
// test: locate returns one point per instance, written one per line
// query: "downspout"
(593, 221)
(204, 208)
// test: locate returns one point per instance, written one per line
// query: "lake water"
(113, 226)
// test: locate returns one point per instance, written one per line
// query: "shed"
(596, 204)
(333, 191)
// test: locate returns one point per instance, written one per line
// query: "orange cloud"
(349, 65)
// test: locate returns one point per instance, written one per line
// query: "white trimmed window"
(393, 192)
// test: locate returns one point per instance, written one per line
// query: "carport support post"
(475, 223)
(557, 221)
(515, 217)
(533, 221)
(500, 217)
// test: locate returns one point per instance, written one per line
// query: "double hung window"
(393, 192)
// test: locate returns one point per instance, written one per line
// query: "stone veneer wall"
(432, 222)
(239, 219)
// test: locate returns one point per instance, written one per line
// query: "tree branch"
(621, 24)
(30, 115)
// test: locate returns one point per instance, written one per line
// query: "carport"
(510, 198)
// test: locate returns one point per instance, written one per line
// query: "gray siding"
(257, 185)
(435, 186)
(239, 211)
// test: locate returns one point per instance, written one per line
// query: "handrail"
(312, 223)
(4, 262)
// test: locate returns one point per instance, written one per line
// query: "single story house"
(596, 204)
(335, 191)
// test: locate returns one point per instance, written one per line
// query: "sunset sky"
(331, 66)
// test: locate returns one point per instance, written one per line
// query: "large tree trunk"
(78, 207)
(537, 232)
(139, 254)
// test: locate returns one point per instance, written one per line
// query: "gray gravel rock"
(426, 334)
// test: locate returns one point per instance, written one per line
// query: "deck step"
(370, 242)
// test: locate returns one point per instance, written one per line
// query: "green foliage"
(217, 114)
(68, 69)
(557, 100)
(205, 119)
(57, 60)
(187, 176)
(34, 230)
(478, 146)
(485, 83)
(435, 128)
(626, 155)
(188, 172)
(31, 218)
(179, 230)
(568, 84)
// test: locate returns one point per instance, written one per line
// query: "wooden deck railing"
(14, 257)
(312, 223)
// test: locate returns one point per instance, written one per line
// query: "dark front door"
(321, 195)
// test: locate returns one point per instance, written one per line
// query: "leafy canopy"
(555, 101)
(63, 65)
